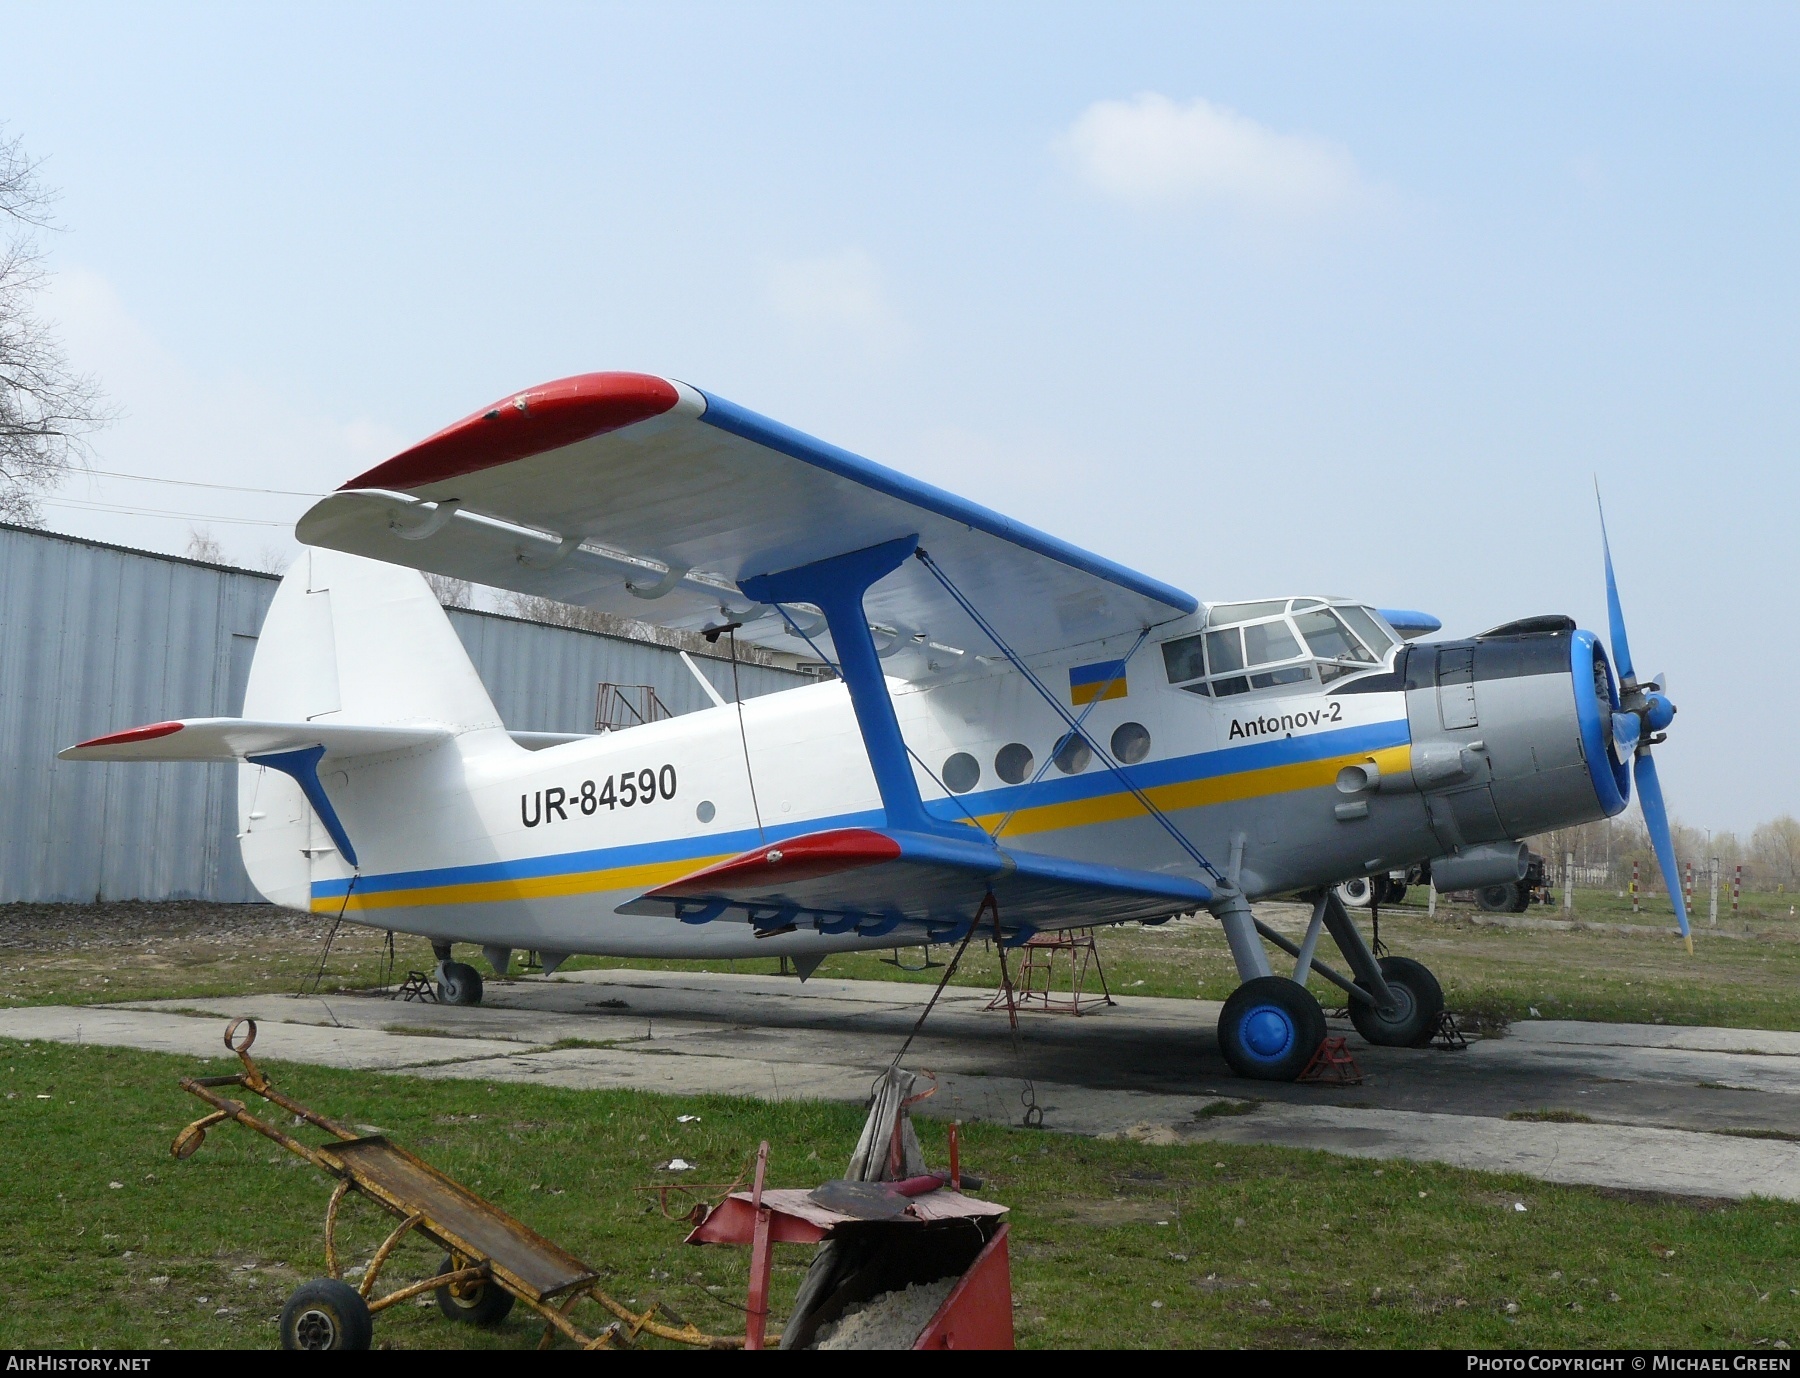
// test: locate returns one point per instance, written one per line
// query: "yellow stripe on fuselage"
(1194, 794)
(643, 877)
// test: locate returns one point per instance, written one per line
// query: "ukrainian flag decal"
(1097, 683)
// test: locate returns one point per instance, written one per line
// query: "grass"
(1741, 976)
(114, 1243)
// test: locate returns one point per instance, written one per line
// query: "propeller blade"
(1621, 647)
(1656, 818)
(1627, 728)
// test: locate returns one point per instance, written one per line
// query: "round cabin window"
(962, 772)
(1012, 763)
(1130, 742)
(1072, 755)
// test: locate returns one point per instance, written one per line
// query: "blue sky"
(1255, 298)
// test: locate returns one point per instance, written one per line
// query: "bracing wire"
(1149, 806)
(1092, 704)
(737, 695)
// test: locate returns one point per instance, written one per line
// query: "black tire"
(1499, 899)
(1394, 891)
(473, 1303)
(326, 1314)
(1421, 1001)
(1270, 1028)
(458, 984)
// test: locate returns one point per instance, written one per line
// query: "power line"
(196, 483)
(156, 512)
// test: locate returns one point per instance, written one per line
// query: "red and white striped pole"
(1687, 887)
(1737, 888)
(1634, 887)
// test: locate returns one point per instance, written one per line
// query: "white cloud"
(836, 292)
(1151, 151)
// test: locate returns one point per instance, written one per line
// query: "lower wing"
(871, 882)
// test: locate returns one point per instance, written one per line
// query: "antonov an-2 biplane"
(1023, 735)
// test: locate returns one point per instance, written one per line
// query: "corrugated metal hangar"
(97, 637)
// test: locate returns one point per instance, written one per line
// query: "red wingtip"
(527, 423)
(796, 859)
(135, 734)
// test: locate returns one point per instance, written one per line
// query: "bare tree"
(46, 412)
(451, 592)
(203, 545)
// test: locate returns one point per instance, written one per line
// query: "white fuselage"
(479, 840)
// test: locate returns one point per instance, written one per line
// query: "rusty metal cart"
(491, 1260)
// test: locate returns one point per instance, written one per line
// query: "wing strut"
(836, 587)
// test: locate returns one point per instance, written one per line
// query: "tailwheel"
(1270, 1028)
(458, 984)
(1418, 1001)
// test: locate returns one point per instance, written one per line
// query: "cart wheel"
(326, 1314)
(477, 1303)
(459, 984)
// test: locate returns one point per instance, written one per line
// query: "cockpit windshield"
(1279, 642)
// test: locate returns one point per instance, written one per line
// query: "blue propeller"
(1643, 716)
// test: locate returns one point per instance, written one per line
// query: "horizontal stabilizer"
(235, 739)
(873, 881)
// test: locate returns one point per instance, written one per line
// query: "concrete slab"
(1765, 1042)
(1146, 1067)
(1624, 1156)
(201, 1037)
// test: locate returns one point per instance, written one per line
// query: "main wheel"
(1418, 1001)
(1270, 1029)
(1356, 893)
(458, 984)
(1498, 899)
(1392, 891)
(476, 1303)
(326, 1314)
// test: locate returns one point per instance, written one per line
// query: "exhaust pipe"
(1490, 863)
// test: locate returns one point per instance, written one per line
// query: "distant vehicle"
(1502, 897)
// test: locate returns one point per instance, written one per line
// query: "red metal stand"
(1332, 1063)
(1044, 953)
(761, 1258)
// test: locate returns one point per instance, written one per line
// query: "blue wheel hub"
(1267, 1032)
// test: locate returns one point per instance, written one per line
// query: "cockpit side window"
(1330, 639)
(1183, 659)
(1269, 641)
(1224, 651)
(1368, 629)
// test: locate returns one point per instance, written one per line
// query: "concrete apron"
(1147, 1068)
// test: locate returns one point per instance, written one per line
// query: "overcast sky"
(1257, 299)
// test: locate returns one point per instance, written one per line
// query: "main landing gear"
(1271, 1026)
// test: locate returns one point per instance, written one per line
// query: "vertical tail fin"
(354, 641)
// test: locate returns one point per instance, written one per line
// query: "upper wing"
(651, 499)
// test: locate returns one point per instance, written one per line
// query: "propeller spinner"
(1643, 716)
